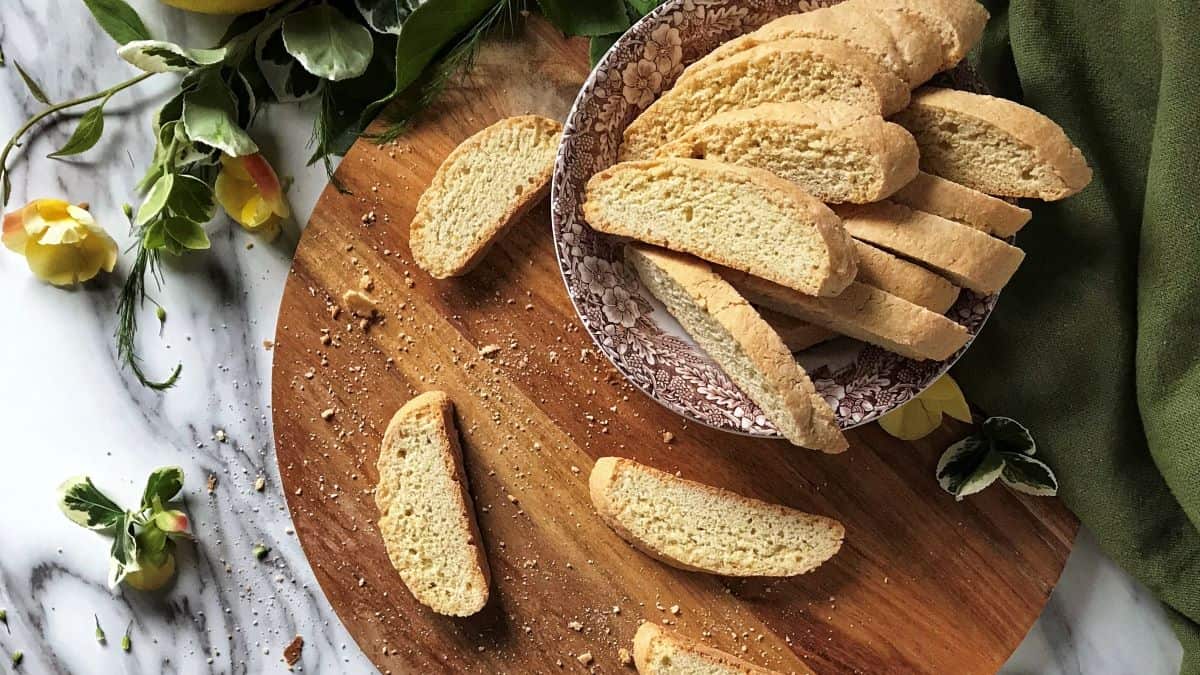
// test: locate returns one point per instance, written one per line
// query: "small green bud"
(126, 642)
(160, 313)
(261, 551)
(17, 658)
(100, 636)
(127, 210)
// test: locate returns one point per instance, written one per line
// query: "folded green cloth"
(1095, 345)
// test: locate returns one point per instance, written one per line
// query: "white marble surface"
(67, 409)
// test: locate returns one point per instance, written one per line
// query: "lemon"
(221, 6)
(152, 577)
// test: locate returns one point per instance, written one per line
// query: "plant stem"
(58, 107)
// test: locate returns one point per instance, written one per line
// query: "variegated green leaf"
(156, 56)
(387, 16)
(84, 504)
(210, 117)
(328, 44)
(1031, 476)
(1008, 435)
(123, 557)
(165, 482)
(968, 466)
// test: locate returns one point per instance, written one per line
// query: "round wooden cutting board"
(923, 584)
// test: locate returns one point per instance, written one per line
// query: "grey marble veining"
(66, 409)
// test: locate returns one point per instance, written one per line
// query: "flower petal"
(948, 398)
(267, 182)
(911, 421)
(14, 236)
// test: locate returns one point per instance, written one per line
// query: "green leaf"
(163, 484)
(187, 234)
(156, 56)
(287, 79)
(119, 20)
(210, 117)
(387, 16)
(156, 199)
(3, 61)
(590, 19)
(84, 504)
(1031, 476)
(968, 466)
(599, 46)
(154, 237)
(1009, 436)
(644, 7)
(87, 133)
(191, 198)
(32, 85)
(328, 44)
(123, 556)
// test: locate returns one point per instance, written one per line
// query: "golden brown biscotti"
(661, 651)
(484, 186)
(834, 151)
(737, 216)
(912, 282)
(702, 528)
(994, 145)
(958, 23)
(728, 329)
(800, 69)
(862, 312)
(918, 41)
(936, 195)
(797, 334)
(965, 255)
(427, 518)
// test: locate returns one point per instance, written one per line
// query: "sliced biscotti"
(698, 527)
(836, 152)
(800, 69)
(957, 23)
(862, 312)
(427, 518)
(960, 203)
(914, 283)
(480, 190)
(917, 41)
(796, 334)
(728, 329)
(661, 651)
(993, 145)
(967, 256)
(737, 216)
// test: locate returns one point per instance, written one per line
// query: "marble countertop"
(68, 409)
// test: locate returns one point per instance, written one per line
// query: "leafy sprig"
(1002, 449)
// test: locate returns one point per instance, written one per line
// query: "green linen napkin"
(1095, 345)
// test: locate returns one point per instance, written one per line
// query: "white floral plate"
(629, 325)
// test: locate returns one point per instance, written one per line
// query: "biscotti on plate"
(958, 23)
(736, 216)
(730, 331)
(834, 151)
(484, 186)
(993, 145)
(661, 651)
(936, 195)
(701, 528)
(902, 278)
(801, 69)
(427, 517)
(796, 334)
(967, 256)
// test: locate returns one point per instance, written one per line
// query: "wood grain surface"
(922, 585)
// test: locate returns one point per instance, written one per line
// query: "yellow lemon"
(152, 577)
(221, 6)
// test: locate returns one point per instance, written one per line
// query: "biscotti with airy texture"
(958, 23)
(862, 312)
(660, 651)
(701, 528)
(802, 69)
(834, 151)
(962, 204)
(912, 282)
(427, 518)
(918, 42)
(796, 334)
(967, 256)
(737, 216)
(993, 145)
(728, 329)
(484, 186)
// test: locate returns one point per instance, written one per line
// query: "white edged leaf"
(84, 504)
(157, 56)
(387, 16)
(1031, 476)
(189, 235)
(328, 44)
(1009, 435)
(285, 77)
(163, 484)
(192, 199)
(123, 556)
(968, 466)
(210, 117)
(156, 199)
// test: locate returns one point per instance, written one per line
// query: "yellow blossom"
(250, 192)
(61, 242)
(920, 416)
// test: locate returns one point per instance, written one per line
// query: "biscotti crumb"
(625, 657)
(584, 658)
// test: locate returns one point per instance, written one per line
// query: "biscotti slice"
(914, 283)
(994, 145)
(427, 518)
(918, 42)
(796, 334)
(862, 312)
(958, 23)
(484, 186)
(698, 527)
(802, 69)
(835, 151)
(660, 651)
(737, 216)
(960, 203)
(965, 255)
(728, 329)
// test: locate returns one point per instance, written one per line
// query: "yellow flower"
(920, 416)
(61, 242)
(250, 192)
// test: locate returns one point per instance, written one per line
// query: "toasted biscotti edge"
(649, 634)
(910, 281)
(945, 198)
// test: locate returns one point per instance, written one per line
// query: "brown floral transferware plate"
(629, 325)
